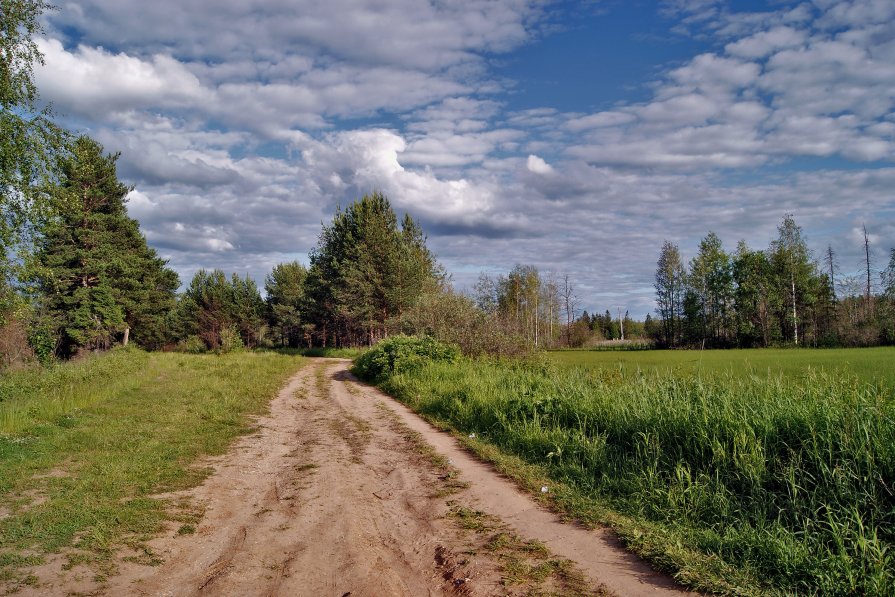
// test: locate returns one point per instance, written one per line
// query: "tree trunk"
(127, 335)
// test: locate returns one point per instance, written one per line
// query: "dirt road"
(343, 491)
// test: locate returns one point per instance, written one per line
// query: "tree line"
(778, 296)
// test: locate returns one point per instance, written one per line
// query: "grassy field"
(85, 446)
(743, 472)
(870, 364)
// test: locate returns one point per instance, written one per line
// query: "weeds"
(526, 563)
(736, 483)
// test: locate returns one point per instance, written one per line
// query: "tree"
(569, 305)
(223, 313)
(670, 284)
(887, 314)
(97, 278)
(791, 262)
(868, 295)
(711, 282)
(887, 277)
(831, 269)
(366, 270)
(285, 288)
(519, 301)
(248, 309)
(29, 141)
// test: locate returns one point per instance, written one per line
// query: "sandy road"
(333, 496)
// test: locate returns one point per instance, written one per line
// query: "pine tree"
(285, 288)
(365, 271)
(98, 280)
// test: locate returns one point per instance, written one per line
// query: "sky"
(573, 136)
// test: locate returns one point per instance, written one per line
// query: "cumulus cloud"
(538, 165)
(244, 125)
(92, 82)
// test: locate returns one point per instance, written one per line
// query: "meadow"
(741, 472)
(86, 446)
(870, 364)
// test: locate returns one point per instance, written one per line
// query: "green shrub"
(400, 354)
(231, 341)
(192, 345)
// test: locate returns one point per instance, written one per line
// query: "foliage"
(781, 484)
(285, 288)
(670, 285)
(226, 314)
(711, 282)
(753, 298)
(366, 270)
(398, 354)
(123, 427)
(28, 138)
(524, 305)
(455, 319)
(95, 273)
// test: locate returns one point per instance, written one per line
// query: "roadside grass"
(527, 564)
(875, 365)
(524, 563)
(333, 353)
(738, 484)
(85, 447)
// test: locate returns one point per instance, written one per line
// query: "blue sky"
(573, 136)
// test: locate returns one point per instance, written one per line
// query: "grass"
(334, 353)
(523, 563)
(869, 364)
(766, 482)
(85, 447)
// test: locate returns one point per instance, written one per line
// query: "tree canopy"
(29, 139)
(97, 277)
(366, 270)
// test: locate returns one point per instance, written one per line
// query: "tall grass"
(792, 483)
(34, 396)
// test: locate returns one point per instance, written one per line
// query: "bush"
(454, 318)
(191, 345)
(231, 341)
(399, 354)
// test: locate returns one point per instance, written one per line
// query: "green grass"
(334, 353)
(85, 446)
(870, 364)
(738, 483)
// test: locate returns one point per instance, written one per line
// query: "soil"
(335, 495)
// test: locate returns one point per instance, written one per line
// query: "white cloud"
(764, 43)
(538, 165)
(92, 82)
